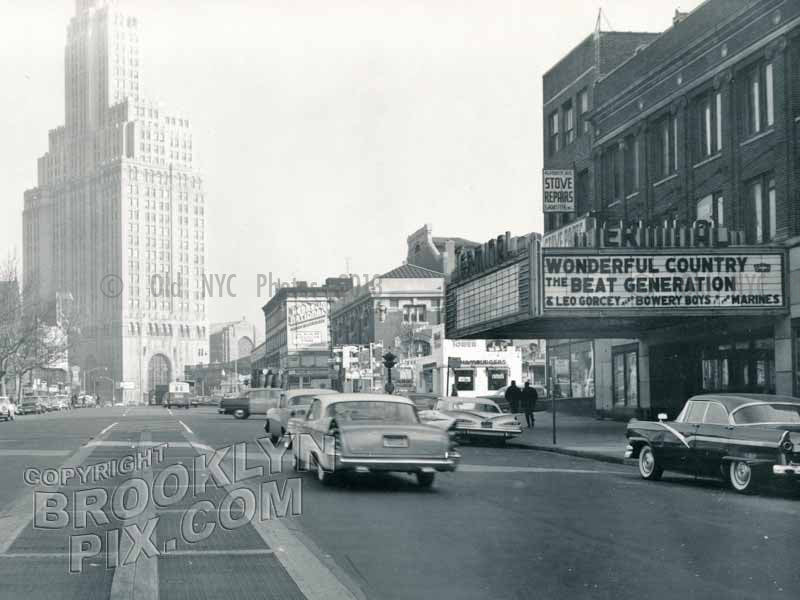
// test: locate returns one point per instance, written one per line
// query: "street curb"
(577, 453)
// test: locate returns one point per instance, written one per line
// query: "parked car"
(8, 409)
(363, 433)
(292, 405)
(30, 405)
(475, 418)
(747, 439)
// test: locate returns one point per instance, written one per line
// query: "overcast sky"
(326, 130)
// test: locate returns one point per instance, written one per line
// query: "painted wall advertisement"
(655, 282)
(307, 322)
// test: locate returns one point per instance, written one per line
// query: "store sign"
(482, 362)
(558, 194)
(654, 282)
(304, 312)
(565, 236)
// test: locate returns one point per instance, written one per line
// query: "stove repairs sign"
(654, 282)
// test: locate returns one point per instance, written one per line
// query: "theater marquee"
(653, 282)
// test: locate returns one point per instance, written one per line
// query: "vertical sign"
(559, 190)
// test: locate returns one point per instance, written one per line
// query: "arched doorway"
(158, 372)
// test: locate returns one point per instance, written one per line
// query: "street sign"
(126, 385)
(558, 194)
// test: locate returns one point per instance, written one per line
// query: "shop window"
(464, 380)
(572, 370)
(496, 379)
(626, 377)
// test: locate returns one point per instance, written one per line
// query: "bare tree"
(35, 333)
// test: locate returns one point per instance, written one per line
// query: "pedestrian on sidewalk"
(529, 397)
(513, 397)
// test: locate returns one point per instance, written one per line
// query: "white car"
(292, 406)
(475, 418)
(365, 433)
(8, 410)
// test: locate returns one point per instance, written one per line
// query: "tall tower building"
(118, 216)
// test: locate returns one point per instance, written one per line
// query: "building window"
(612, 178)
(414, 313)
(464, 380)
(709, 116)
(553, 133)
(631, 164)
(666, 146)
(583, 109)
(763, 225)
(711, 208)
(569, 122)
(626, 377)
(759, 98)
(496, 379)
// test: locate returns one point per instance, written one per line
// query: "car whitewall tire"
(240, 413)
(741, 476)
(648, 466)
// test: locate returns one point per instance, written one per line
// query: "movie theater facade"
(645, 316)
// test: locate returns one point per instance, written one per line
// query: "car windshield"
(767, 413)
(302, 400)
(477, 406)
(374, 412)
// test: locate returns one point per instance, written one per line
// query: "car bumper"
(489, 433)
(361, 464)
(792, 470)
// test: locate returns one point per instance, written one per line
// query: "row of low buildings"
(334, 335)
(679, 271)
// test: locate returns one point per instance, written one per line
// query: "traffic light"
(389, 360)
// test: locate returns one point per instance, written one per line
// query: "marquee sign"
(649, 282)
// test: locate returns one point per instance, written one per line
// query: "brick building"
(695, 133)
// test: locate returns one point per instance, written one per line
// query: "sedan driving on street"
(747, 439)
(363, 433)
(292, 406)
(475, 418)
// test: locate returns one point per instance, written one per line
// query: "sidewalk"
(586, 437)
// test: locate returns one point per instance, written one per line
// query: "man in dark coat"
(529, 398)
(513, 397)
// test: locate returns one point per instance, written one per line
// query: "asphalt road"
(512, 523)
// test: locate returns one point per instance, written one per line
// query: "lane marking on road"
(107, 428)
(237, 552)
(504, 469)
(169, 410)
(148, 444)
(20, 513)
(186, 427)
(139, 578)
(22, 452)
(314, 579)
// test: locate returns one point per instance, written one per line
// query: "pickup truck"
(253, 402)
